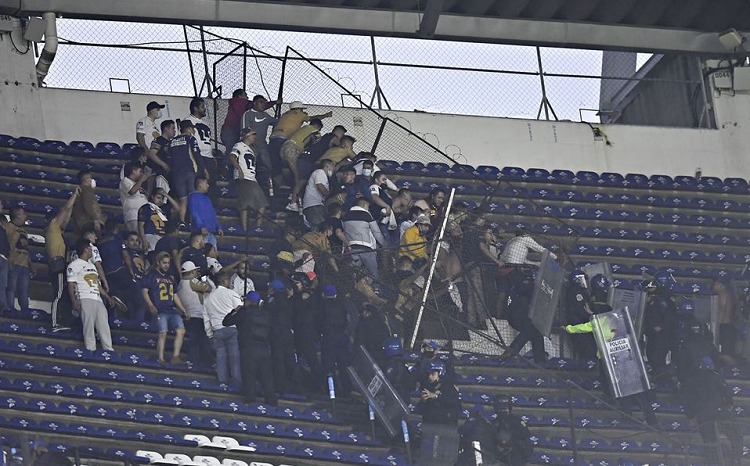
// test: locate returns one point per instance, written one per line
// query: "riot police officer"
(254, 335)
(306, 320)
(659, 322)
(582, 302)
(439, 402)
(395, 369)
(334, 347)
(285, 370)
(519, 299)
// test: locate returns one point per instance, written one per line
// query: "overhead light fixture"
(731, 39)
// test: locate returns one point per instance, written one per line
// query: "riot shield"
(602, 268)
(618, 346)
(369, 379)
(634, 301)
(439, 446)
(546, 295)
(706, 309)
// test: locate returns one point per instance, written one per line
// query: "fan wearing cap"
(145, 129)
(291, 150)
(439, 402)
(192, 292)
(285, 370)
(250, 195)
(414, 241)
(289, 122)
(224, 337)
(253, 323)
(334, 347)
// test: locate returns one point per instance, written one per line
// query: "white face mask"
(366, 172)
(93, 183)
(329, 173)
(158, 114)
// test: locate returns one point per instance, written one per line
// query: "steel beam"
(346, 20)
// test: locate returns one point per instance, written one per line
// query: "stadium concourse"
(126, 405)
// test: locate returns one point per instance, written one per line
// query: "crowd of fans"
(327, 291)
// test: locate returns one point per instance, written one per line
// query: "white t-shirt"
(238, 285)
(313, 197)
(190, 299)
(246, 158)
(202, 136)
(131, 202)
(86, 278)
(148, 129)
(218, 304)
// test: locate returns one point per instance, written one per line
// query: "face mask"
(93, 183)
(158, 114)
(366, 172)
(329, 173)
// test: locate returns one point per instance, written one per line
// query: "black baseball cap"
(152, 105)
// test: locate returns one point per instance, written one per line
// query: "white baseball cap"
(188, 266)
(296, 105)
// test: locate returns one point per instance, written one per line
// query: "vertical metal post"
(281, 82)
(428, 282)
(207, 78)
(244, 66)
(379, 135)
(544, 88)
(573, 440)
(190, 61)
(375, 70)
(706, 109)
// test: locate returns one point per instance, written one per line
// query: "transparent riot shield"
(634, 301)
(547, 291)
(706, 308)
(602, 268)
(618, 346)
(369, 379)
(439, 445)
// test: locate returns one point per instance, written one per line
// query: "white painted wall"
(102, 116)
(19, 95)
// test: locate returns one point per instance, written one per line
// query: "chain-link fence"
(390, 73)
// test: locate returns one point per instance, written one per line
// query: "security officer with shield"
(519, 300)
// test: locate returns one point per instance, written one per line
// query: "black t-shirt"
(316, 151)
(168, 244)
(336, 243)
(4, 246)
(161, 145)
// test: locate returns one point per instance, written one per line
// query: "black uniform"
(254, 336)
(306, 333)
(285, 372)
(659, 327)
(519, 299)
(399, 376)
(334, 351)
(441, 410)
(371, 331)
(576, 300)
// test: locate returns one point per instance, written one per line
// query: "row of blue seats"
(579, 197)
(64, 163)
(643, 235)
(84, 452)
(273, 447)
(103, 150)
(666, 254)
(163, 417)
(678, 272)
(566, 177)
(44, 176)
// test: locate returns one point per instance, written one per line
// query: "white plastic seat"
(182, 460)
(231, 462)
(256, 463)
(207, 460)
(155, 457)
(231, 444)
(203, 441)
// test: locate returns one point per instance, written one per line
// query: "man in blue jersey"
(158, 288)
(187, 163)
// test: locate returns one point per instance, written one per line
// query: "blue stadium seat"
(695, 256)
(388, 166)
(487, 172)
(685, 183)
(663, 182)
(437, 169)
(722, 257)
(611, 180)
(539, 175)
(729, 205)
(462, 171)
(26, 143)
(80, 148)
(636, 181)
(596, 232)
(735, 186)
(512, 174)
(546, 194)
(633, 252)
(562, 176)
(412, 168)
(7, 141)
(710, 184)
(586, 178)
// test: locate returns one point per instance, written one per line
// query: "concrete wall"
(19, 94)
(102, 116)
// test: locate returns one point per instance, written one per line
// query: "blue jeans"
(167, 322)
(368, 258)
(227, 349)
(211, 239)
(18, 282)
(3, 283)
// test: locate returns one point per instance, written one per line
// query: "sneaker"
(60, 328)
(292, 207)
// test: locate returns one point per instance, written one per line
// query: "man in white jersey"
(250, 195)
(203, 137)
(86, 295)
(242, 284)
(146, 129)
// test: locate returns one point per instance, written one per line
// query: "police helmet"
(254, 298)
(577, 278)
(392, 346)
(686, 308)
(665, 279)
(437, 366)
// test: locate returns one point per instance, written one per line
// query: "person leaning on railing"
(414, 241)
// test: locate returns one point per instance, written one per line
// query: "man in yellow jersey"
(287, 125)
(343, 153)
(54, 246)
(291, 150)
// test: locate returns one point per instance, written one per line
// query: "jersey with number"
(86, 279)
(153, 218)
(203, 135)
(246, 158)
(161, 289)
